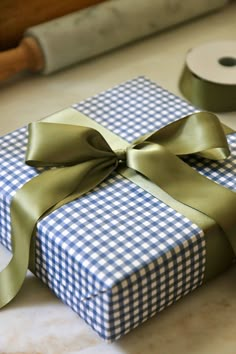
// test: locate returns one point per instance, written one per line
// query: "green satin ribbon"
(84, 159)
(207, 95)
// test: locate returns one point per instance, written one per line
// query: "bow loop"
(53, 144)
(198, 133)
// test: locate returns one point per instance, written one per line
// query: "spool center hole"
(227, 61)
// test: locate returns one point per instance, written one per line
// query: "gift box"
(121, 253)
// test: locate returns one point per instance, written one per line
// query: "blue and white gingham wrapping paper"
(117, 256)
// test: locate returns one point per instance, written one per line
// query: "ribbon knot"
(121, 154)
(85, 159)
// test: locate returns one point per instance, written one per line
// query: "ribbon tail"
(35, 199)
(12, 277)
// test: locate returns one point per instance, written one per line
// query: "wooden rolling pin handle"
(27, 56)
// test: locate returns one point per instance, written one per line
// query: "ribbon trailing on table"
(81, 159)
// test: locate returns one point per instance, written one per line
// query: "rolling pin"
(70, 39)
(16, 16)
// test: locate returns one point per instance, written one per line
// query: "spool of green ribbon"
(208, 79)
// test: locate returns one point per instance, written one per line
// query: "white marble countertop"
(36, 322)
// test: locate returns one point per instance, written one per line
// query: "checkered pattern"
(222, 172)
(117, 255)
(135, 108)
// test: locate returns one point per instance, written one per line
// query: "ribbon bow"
(85, 159)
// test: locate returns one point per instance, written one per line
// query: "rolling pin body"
(100, 28)
(95, 30)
